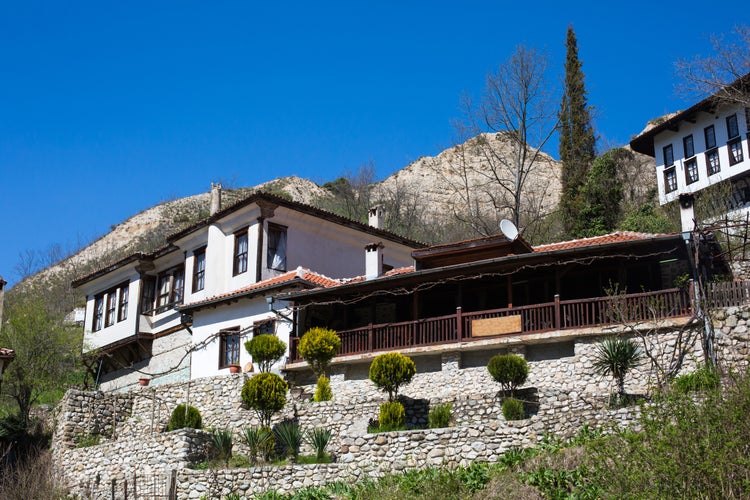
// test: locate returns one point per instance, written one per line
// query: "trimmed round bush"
(509, 370)
(323, 390)
(266, 394)
(390, 371)
(318, 346)
(183, 416)
(266, 350)
(392, 416)
(440, 416)
(513, 409)
(700, 380)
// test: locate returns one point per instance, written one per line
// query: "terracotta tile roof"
(7, 353)
(392, 272)
(617, 237)
(299, 274)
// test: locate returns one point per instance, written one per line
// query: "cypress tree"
(576, 135)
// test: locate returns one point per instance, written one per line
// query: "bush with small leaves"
(440, 416)
(700, 380)
(390, 371)
(513, 409)
(266, 394)
(509, 370)
(318, 346)
(266, 350)
(289, 435)
(392, 417)
(185, 416)
(323, 390)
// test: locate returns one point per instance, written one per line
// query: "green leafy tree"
(266, 350)
(616, 357)
(601, 198)
(266, 394)
(577, 141)
(318, 346)
(648, 218)
(390, 371)
(47, 352)
(509, 370)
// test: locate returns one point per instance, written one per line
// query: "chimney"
(2, 297)
(376, 217)
(215, 198)
(687, 212)
(373, 260)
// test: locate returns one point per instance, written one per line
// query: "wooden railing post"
(691, 294)
(459, 323)
(557, 311)
(369, 337)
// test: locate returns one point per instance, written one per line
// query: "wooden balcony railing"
(550, 316)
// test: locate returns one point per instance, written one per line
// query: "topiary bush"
(318, 346)
(390, 371)
(266, 350)
(440, 416)
(185, 416)
(701, 380)
(509, 370)
(266, 394)
(513, 409)
(392, 417)
(323, 390)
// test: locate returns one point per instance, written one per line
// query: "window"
(687, 146)
(109, 319)
(122, 304)
(229, 347)
(199, 269)
(98, 312)
(266, 327)
(670, 180)
(710, 134)
(668, 156)
(240, 252)
(691, 171)
(735, 151)
(712, 161)
(276, 257)
(732, 129)
(148, 284)
(170, 288)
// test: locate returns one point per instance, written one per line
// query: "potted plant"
(144, 381)
(234, 368)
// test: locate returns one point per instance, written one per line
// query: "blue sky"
(107, 108)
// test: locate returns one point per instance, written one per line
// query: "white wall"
(119, 330)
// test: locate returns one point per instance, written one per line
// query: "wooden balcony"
(537, 318)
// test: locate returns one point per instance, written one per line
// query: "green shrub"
(266, 394)
(318, 346)
(392, 416)
(259, 441)
(390, 371)
(616, 356)
(266, 350)
(700, 380)
(323, 390)
(290, 436)
(318, 438)
(513, 409)
(440, 416)
(185, 416)
(509, 370)
(221, 444)
(86, 440)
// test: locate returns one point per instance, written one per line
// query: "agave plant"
(318, 438)
(260, 442)
(616, 357)
(222, 439)
(289, 435)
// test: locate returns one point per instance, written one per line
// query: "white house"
(699, 147)
(185, 310)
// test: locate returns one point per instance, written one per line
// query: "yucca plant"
(318, 438)
(616, 357)
(259, 440)
(221, 440)
(289, 435)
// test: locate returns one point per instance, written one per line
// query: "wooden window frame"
(175, 293)
(123, 298)
(691, 171)
(110, 313)
(199, 275)
(709, 144)
(240, 259)
(98, 322)
(740, 156)
(261, 327)
(272, 251)
(670, 173)
(224, 354)
(732, 123)
(664, 150)
(688, 146)
(712, 169)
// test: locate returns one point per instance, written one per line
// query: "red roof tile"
(392, 272)
(617, 237)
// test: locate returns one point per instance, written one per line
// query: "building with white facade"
(700, 147)
(185, 310)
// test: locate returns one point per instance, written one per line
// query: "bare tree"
(500, 151)
(722, 74)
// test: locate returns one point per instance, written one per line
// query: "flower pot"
(235, 369)
(144, 381)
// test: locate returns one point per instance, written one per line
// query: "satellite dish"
(509, 229)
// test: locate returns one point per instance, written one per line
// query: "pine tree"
(576, 135)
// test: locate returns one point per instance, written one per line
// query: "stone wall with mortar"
(568, 391)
